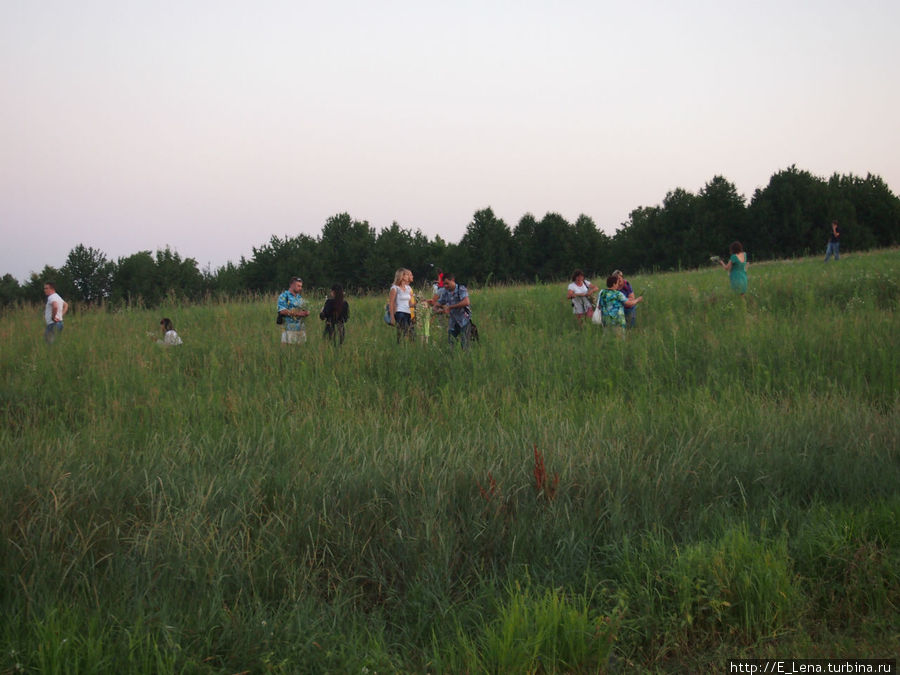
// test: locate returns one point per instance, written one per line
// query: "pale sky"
(209, 126)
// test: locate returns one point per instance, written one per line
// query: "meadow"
(723, 483)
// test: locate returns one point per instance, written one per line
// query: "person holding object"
(834, 242)
(579, 293)
(454, 301)
(613, 302)
(292, 307)
(400, 303)
(335, 313)
(54, 311)
(737, 268)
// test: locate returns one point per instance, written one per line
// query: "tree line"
(791, 216)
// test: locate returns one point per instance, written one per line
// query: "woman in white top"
(170, 337)
(579, 292)
(401, 303)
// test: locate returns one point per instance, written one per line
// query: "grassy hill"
(724, 482)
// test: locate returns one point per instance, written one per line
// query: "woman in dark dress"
(335, 313)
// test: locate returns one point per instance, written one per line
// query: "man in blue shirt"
(453, 300)
(292, 307)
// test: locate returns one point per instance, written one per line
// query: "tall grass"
(723, 481)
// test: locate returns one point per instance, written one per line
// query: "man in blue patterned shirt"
(453, 300)
(292, 307)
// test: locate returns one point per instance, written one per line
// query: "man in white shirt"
(53, 313)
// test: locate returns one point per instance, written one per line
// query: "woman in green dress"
(737, 268)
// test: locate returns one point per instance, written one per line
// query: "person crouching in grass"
(613, 303)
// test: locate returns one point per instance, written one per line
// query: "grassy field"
(723, 483)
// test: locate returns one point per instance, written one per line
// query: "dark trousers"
(404, 325)
(335, 331)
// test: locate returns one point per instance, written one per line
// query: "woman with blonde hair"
(401, 302)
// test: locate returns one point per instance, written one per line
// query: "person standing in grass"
(834, 242)
(400, 303)
(630, 312)
(292, 307)
(454, 301)
(613, 302)
(579, 293)
(335, 313)
(54, 312)
(737, 268)
(170, 337)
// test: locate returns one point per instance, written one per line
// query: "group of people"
(615, 308)
(449, 298)
(56, 309)
(293, 310)
(616, 304)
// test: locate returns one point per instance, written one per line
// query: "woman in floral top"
(613, 303)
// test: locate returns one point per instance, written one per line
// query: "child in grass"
(170, 337)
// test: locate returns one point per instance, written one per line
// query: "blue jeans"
(455, 331)
(630, 316)
(52, 331)
(833, 248)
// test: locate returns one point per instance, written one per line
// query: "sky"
(209, 126)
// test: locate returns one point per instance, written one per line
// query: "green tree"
(393, 248)
(680, 212)
(559, 241)
(10, 290)
(593, 248)
(487, 248)
(867, 210)
(641, 242)
(344, 246)
(719, 219)
(225, 280)
(135, 280)
(273, 264)
(549, 248)
(178, 276)
(527, 254)
(90, 272)
(790, 216)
